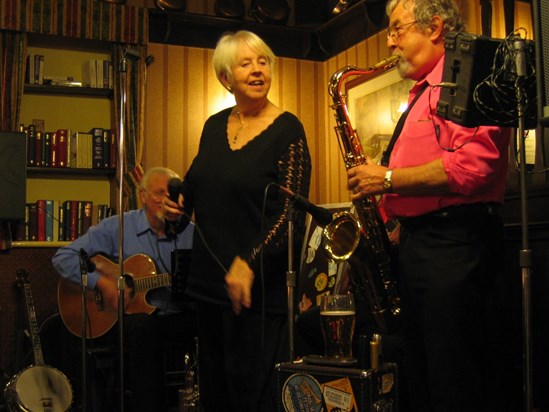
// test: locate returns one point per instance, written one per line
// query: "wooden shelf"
(69, 172)
(33, 244)
(68, 90)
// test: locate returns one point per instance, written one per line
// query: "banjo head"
(39, 388)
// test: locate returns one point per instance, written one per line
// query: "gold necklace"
(240, 127)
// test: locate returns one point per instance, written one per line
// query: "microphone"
(519, 46)
(171, 229)
(175, 187)
(85, 261)
(340, 6)
(131, 54)
(321, 215)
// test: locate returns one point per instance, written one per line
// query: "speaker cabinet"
(482, 71)
(13, 175)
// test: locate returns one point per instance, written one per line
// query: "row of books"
(98, 74)
(51, 220)
(34, 73)
(96, 149)
(95, 73)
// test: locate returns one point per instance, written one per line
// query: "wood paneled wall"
(182, 92)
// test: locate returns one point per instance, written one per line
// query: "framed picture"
(375, 103)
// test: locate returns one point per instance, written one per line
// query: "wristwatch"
(388, 183)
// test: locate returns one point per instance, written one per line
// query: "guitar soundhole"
(130, 284)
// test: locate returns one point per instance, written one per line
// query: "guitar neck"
(33, 326)
(152, 282)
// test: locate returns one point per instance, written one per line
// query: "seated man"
(144, 334)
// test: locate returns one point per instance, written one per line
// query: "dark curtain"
(13, 49)
(134, 74)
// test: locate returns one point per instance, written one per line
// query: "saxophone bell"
(341, 237)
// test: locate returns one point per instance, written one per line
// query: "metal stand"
(290, 283)
(525, 254)
(121, 284)
(84, 283)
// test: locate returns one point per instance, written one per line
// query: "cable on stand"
(121, 283)
(291, 283)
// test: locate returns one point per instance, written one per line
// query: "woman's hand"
(172, 209)
(239, 280)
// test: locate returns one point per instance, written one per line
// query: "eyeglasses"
(394, 32)
(158, 196)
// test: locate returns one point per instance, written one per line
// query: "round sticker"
(321, 281)
(302, 393)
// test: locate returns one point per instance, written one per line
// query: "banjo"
(38, 388)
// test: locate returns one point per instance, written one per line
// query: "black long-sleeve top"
(225, 190)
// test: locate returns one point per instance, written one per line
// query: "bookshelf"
(77, 108)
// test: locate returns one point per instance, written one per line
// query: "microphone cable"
(495, 97)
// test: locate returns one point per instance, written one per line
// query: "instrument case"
(303, 387)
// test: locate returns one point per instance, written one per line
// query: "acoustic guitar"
(139, 275)
(39, 387)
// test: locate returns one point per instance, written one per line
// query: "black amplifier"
(304, 387)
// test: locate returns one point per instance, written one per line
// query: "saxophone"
(362, 240)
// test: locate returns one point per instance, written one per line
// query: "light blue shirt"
(139, 237)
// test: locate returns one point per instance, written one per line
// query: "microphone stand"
(291, 282)
(525, 254)
(84, 283)
(121, 284)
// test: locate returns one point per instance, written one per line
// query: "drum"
(39, 388)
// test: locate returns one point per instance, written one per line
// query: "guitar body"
(140, 276)
(39, 388)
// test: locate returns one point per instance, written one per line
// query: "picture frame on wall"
(375, 103)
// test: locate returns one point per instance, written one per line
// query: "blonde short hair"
(224, 56)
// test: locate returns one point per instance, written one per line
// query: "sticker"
(316, 238)
(321, 282)
(311, 253)
(302, 393)
(338, 395)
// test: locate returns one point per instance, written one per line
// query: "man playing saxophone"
(444, 183)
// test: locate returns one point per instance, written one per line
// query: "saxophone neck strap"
(398, 128)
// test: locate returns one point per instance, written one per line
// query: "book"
(62, 147)
(47, 149)
(97, 147)
(99, 73)
(61, 223)
(39, 149)
(39, 69)
(33, 222)
(31, 145)
(114, 150)
(106, 73)
(53, 149)
(107, 137)
(49, 220)
(89, 78)
(41, 220)
(88, 151)
(87, 216)
(29, 72)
